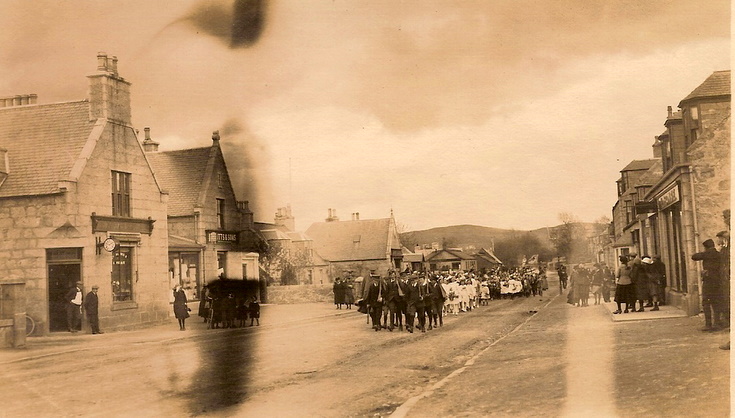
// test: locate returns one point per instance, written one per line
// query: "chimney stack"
(332, 215)
(18, 100)
(109, 94)
(149, 145)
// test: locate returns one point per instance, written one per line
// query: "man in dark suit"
(74, 307)
(412, 299)
(374, 300)
(91, 307)
(423, 306)
(390, 307)
(438, 296)
(400, 301)
(711, 285)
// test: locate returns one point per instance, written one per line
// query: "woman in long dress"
(624, 291)
(181, 311)
(349, 290)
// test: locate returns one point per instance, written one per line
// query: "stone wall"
(300, 294)
(710, 157)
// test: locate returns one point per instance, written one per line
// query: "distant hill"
(468, 237)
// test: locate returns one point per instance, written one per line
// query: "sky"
(493, 113)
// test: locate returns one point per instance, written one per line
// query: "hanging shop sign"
(667, 199)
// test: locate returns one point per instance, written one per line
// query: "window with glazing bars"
(120, 194)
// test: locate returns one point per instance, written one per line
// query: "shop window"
(184, 270)
(122, 274)
(120, 194)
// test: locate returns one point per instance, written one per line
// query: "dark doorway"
(64, 270)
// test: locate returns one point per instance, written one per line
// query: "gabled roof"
(44, 142)
(181, 174)
(651, 176)
(716, 85)
(351, 240)
(636, 165)
(274, 234)
(488, 255)
(445, 255)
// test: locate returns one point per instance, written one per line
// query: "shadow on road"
(221, 381)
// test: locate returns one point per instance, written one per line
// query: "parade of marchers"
(420, 300)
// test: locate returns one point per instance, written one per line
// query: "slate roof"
(717, 84)
(181, 174)
(336, 241)
(413, 258)
(488, 255)
(43, 143)
(452, 255)
(274, 234)
(636, 165)
(652, 175)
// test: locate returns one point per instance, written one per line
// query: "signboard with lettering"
(667, 199)
(222, 236)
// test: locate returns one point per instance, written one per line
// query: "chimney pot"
(33, 98)
(669, 110)
(147, 131)
(215, 136)
(102, 61)
(114, 64)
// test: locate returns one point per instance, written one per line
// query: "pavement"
(64, 342)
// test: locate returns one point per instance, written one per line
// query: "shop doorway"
(64, 270)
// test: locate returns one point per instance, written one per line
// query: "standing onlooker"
(608, 283)
(339, 293)
(349, 291)
(640, 282)
(624, 292)
(91, 308)
(254, 311)
(596, 283)
(74, 308)
(660, 269)
(723, 239)
(181, 311)
(710, 285)
(654, 281)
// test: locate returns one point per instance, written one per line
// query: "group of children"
(229, 311)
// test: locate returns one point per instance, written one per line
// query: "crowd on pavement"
(420, 300)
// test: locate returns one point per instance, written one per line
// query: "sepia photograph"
(365, 208)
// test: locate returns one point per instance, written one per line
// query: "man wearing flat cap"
(711, 285)
(91, 305)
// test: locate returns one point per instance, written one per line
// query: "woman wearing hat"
(181, 311)
(624, 291)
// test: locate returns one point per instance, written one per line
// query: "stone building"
(687, 204)
(684, 199)
(626, 231)
(211, 234)
(358, 247)
(79, 202)
(291, 250)
(451, 259)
